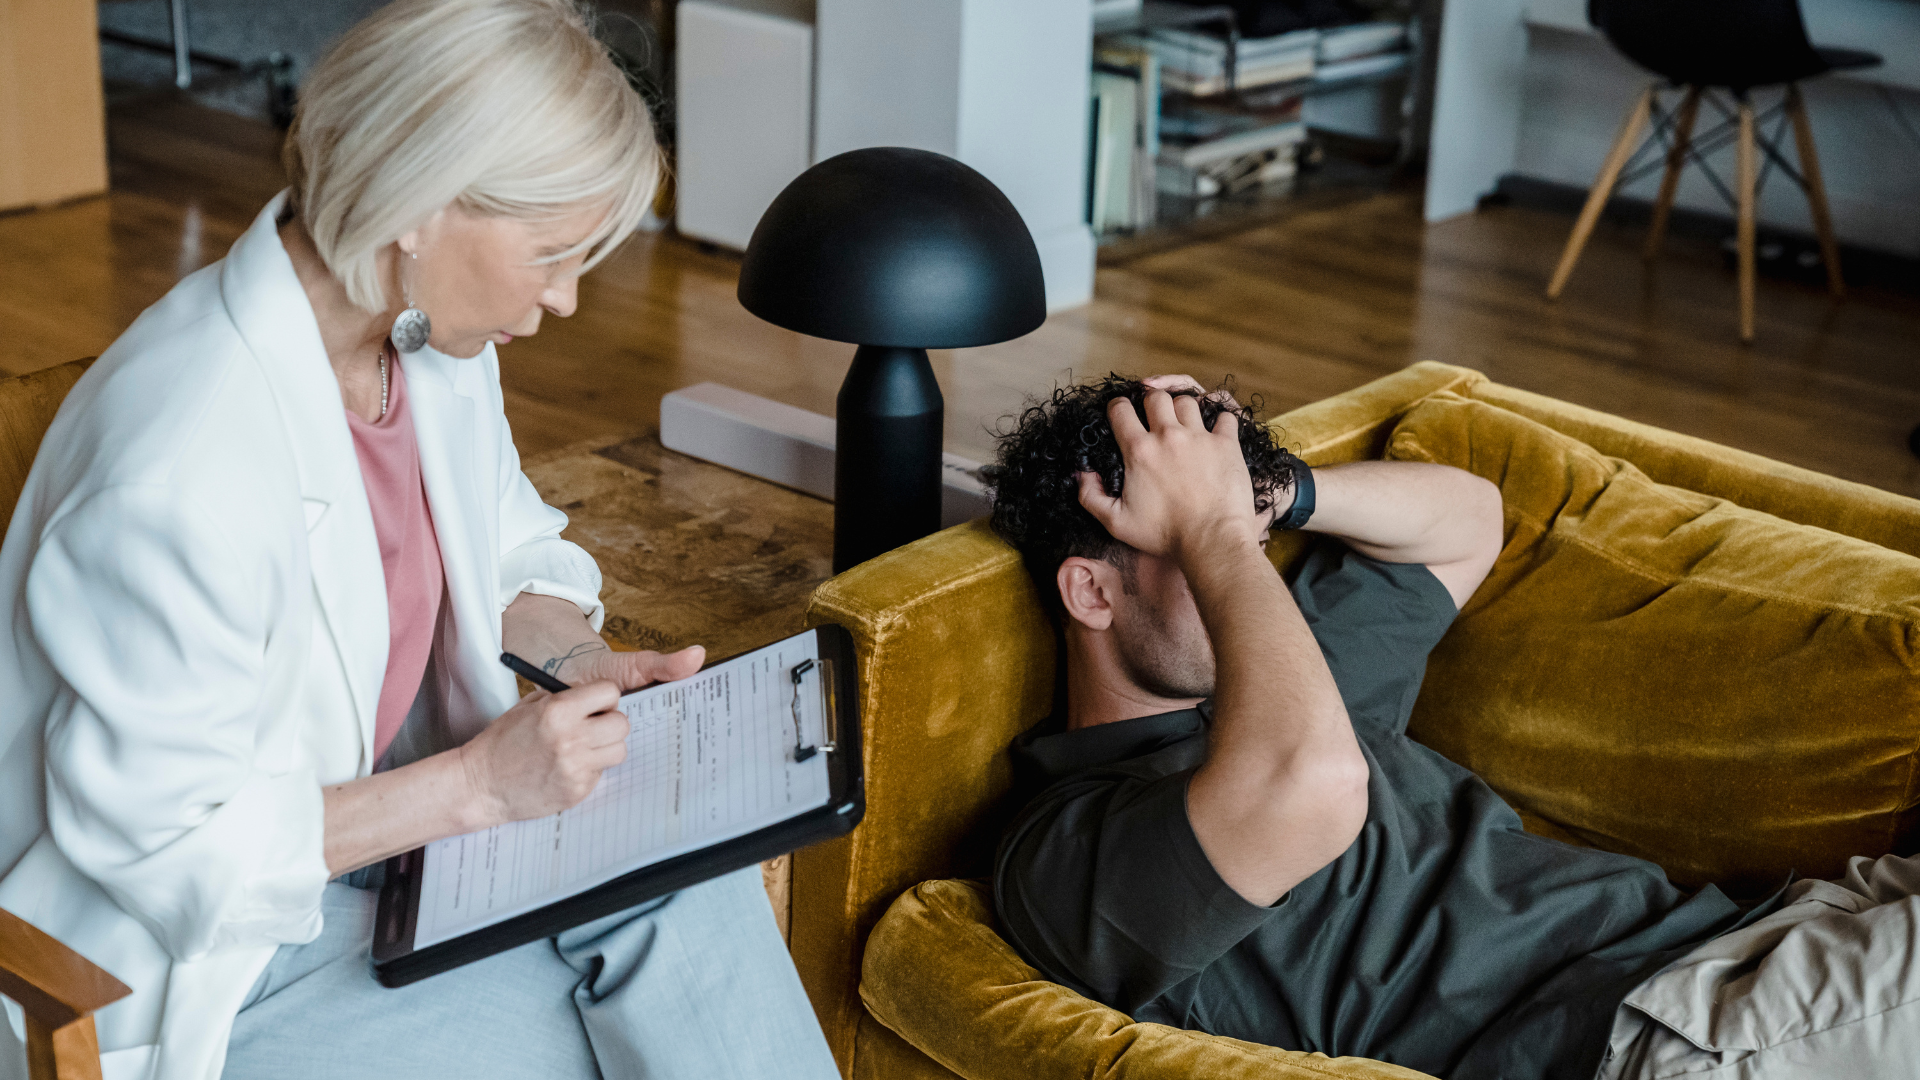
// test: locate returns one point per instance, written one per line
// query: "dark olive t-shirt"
(1446, 939)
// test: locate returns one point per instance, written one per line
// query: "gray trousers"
(1828, 987)
(696, 985)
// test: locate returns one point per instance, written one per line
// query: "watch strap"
(1302, 507)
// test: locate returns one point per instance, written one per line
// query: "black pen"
(533, 674)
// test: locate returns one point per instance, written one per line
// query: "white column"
(1476, 103)
(745, 98)
(998, 84)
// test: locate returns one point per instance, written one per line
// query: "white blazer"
(196, 636)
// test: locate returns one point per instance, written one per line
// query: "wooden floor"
(1295, 309)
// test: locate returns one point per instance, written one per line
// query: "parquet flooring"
(1297, 308)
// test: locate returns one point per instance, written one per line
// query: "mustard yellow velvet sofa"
(1686, 652)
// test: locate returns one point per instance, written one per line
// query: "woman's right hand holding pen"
(545, 754)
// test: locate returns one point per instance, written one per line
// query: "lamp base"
(886, 469)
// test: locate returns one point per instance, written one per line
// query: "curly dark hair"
(1034, 484)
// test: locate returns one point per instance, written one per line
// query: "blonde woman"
(258, 580)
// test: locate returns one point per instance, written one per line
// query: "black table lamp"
(897, 251)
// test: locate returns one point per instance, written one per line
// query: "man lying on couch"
(1232, 832)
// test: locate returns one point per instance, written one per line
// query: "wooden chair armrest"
(54, 984)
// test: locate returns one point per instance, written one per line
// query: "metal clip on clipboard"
(801, 750)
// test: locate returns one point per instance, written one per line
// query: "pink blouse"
(409, 553)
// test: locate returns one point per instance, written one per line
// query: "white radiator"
(791, 447)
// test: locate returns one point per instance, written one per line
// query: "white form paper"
(709, 758)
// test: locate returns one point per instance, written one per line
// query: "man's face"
(1156, 625)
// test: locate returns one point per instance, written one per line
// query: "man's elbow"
(1268, 829)
(1340, 789)
(1487, 513)
(1328, 796)
(1476, 532)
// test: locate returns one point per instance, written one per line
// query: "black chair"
(1701, 47)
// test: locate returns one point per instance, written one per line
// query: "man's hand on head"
(1185, 487)
(1282, 499)
(1175, 383)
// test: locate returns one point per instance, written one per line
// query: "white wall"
(887, 74)
(1476, 102)
(1023, 123)
(998, 84)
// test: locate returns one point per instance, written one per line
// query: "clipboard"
(836, 744)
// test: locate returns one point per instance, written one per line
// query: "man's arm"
(1413, 512)
(1400, 511)
(1284, 789)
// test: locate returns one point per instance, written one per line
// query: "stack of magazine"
(1195, 63)
(1360, 50)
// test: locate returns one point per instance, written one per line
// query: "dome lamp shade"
(896, 247)
(896, 251)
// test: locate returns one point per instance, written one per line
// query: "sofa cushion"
(1662, 673)
(938, 974)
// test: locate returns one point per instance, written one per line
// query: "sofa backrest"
(1755, 482)
(1668, 674)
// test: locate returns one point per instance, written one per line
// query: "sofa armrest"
(1355, 426)
(956, 658)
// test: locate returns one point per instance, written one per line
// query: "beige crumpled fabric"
(1828, 986)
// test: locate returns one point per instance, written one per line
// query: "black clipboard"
(397, 963)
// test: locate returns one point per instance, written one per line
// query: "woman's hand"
(552, 634)
(540, 757)
(632, 671)
(546, 753)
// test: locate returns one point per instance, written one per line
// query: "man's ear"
(1087, 590)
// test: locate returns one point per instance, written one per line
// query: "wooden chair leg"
(1670, 183)
(1816, 190)
(1745, 184)
(68, 1052)
(1602, 188)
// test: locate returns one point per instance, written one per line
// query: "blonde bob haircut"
(499, 107)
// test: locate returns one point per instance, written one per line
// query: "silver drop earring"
(411, 327)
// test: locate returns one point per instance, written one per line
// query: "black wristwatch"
(1302, 507)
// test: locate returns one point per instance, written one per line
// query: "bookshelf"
(1191, 117)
